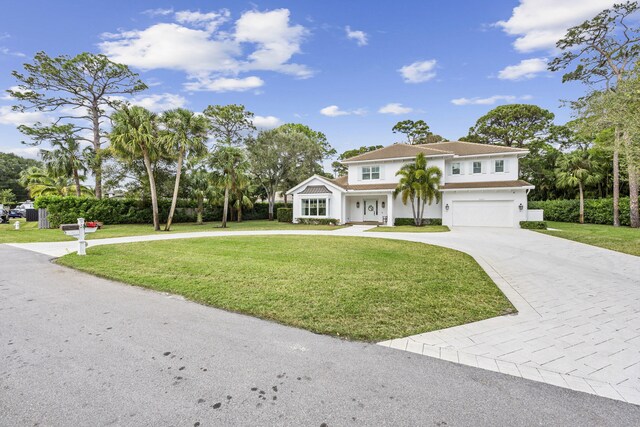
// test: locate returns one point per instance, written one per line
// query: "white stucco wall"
(334, 208)
(388, 170)
(488, 173)
(515, 196)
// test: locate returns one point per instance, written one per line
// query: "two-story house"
(480, 187)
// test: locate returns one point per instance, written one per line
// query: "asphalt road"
(79, 350)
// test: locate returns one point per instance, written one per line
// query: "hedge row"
(410, 221)
(285, 215)
(533, 225)
(596, 211)
(65, 210)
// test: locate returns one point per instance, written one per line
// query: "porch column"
(390, 216)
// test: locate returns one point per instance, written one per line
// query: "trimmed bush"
(285, 215)
(533, 225)
(318, 221)
(596, 211)
(410, 221)
(66, 210)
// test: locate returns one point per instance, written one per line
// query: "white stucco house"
(480, 187)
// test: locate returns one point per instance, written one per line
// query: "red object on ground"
(91, 224)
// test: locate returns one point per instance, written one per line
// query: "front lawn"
(411, 229)
(361, 289)
(29, 231)
(621, 239)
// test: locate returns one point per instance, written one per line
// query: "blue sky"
(350, 69)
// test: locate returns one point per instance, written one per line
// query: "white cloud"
(7, 51)
(490, 100)
(159, 102)
(15, 118)
(419, 71)
(224, 84)
(359, 36)
(525, 69)
(335, 111)
(539, 24)
(5, 96)
(157, 12)
(266, 122)
(394, 108)
(197, 45)
(28, 152)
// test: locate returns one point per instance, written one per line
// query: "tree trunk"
(176, 188)
(199, 210)
(286, 198)
(616, 180)
(152, 188)
(634, 217)
(225, 206)
(271, 197)
(76, 179)
(581, 203)
(413, 211)
(239, 212)
(97, 162)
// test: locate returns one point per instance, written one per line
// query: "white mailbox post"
(78, 231)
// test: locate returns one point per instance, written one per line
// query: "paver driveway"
(579, 313)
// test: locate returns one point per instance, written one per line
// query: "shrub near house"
(596, 211)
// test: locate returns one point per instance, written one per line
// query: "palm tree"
(419, 184)
(185, 133)
(200, 187)
(241, 188)
(231, 164)
(41, 182)
(67, 158)
(576, 170)
(135, 134)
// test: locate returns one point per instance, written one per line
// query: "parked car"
(16, 213)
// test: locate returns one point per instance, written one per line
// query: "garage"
(484, 213)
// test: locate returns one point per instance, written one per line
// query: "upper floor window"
(477, 167)
(455, 168)
(370, 172)
(499, 165)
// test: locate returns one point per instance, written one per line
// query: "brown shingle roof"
(396, 151)
(462, 148)
(458, 148)
(315, 189)
(488, 184)
(342, 182)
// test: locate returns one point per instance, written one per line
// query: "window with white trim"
(477, 167)
(455, 168)
(370, 172)
(499, 166)
(314, 207)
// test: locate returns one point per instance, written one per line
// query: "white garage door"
(485, 213)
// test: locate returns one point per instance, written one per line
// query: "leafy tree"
(272, 155)
(67, 156)
(538, 167)
(10, 168)
(41, 182)
(575, 170)
(229, 124)
(200, 187)
(81, 89)
(185, 134)
(318, 138)
(513, 125)
(339, 169)
(7, 197)
(231, 165)
(419, 184)
(601, 50)
(415, 131)
(135, 135)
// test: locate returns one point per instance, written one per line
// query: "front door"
(371, 208)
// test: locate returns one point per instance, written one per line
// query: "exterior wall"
(404, 211)
(388, 170)
(334, 208)
(488, 173)
(356, 214)
(516, 196)
(535, 215)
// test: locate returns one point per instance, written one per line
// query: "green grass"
(29, 231)
(621, 239)
(361, 289)
(411, 229)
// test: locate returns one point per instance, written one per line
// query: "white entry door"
(485, 213)
(371, 208)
